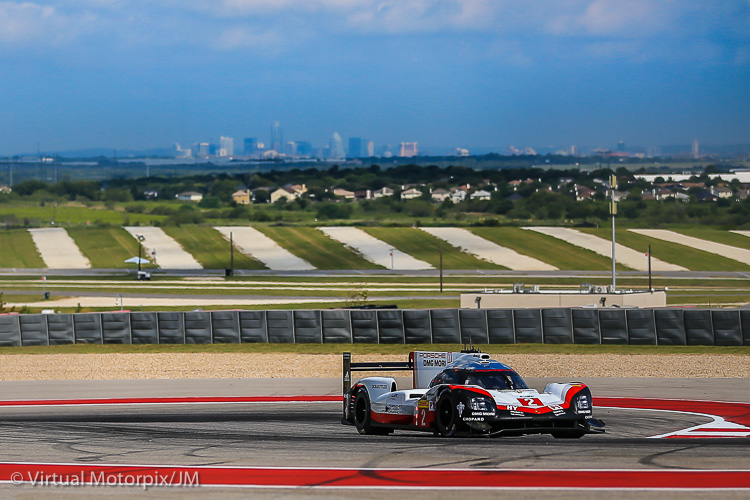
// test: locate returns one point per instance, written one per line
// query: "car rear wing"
(378, 366)
(424, 365)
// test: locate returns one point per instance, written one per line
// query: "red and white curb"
(730, 419)
(146, 476)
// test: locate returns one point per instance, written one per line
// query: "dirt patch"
(255, 365)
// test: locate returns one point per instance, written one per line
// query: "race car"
(464, 393)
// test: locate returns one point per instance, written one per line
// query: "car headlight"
(583, 403)
(480, 404)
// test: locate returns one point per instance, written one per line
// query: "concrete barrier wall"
(664, 326)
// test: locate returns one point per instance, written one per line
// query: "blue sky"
(140, 74)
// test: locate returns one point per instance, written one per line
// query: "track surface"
(308, 435)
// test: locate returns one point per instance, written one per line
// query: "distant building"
(440, 195)
(277, 138)
(410, 194)
(250, 145)
(241, 197)
(203, 149)
(370, 149)
(384, 191)
(355, 147)
(283, 192)
(189, 196)
(408, 149)
(696, 149)
(343, 193)
(336, 151)
(304, 148)
(481, 195)
(290, 148)
(226, 147)
(460, 152)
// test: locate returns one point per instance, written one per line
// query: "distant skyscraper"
(408, 149)
(304, 148)
(336, 151)
(277, 138)
(204, 149)
(621, 147)
(696, 150)
(251, 145)
(355, 147)
(226, 146)
(290, 148)
(370, 150)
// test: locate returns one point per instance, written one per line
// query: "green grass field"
(210, 248)
(316, 248)
(545, 248)
(691, 258)
(426, 247)
(71, 213)
(17, 249)
(107, 247)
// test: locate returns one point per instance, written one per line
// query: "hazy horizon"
(457, 73)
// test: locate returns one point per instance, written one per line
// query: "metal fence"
(722, 327)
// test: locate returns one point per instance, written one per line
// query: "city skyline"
(458, 73)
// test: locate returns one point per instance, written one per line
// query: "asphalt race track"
(237, 436)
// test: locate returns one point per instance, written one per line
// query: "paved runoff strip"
(252, 242)
(169, 253)
(374, 250)
(58, 250)
(624, 255)
(145, 476)
(487, 250)
(728, 251)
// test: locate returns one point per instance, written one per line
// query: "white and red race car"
(463, 393)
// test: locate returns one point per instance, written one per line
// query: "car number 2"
(530, 401)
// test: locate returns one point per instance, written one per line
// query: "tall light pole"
(141, 239)
(391, 252)
(613, 212)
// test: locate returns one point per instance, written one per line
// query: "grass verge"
(17, 249)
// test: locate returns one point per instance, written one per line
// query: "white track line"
(58, 250)
(624, 255)
(252, 242)
(730, 252)
(169, 253)
(373, 249)
(487, 250)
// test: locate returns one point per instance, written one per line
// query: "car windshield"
(488, 379)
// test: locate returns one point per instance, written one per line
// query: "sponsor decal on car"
(422, 403)
(460, 407)
(379, 386)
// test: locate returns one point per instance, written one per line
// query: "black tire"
(362, 418)
(447, 420)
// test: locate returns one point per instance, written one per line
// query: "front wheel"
(447, 419)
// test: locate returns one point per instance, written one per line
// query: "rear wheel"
(447, 419)
(362, 417)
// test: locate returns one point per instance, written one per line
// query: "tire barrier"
(720, 327)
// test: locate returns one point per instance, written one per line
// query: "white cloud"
(241, 37)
